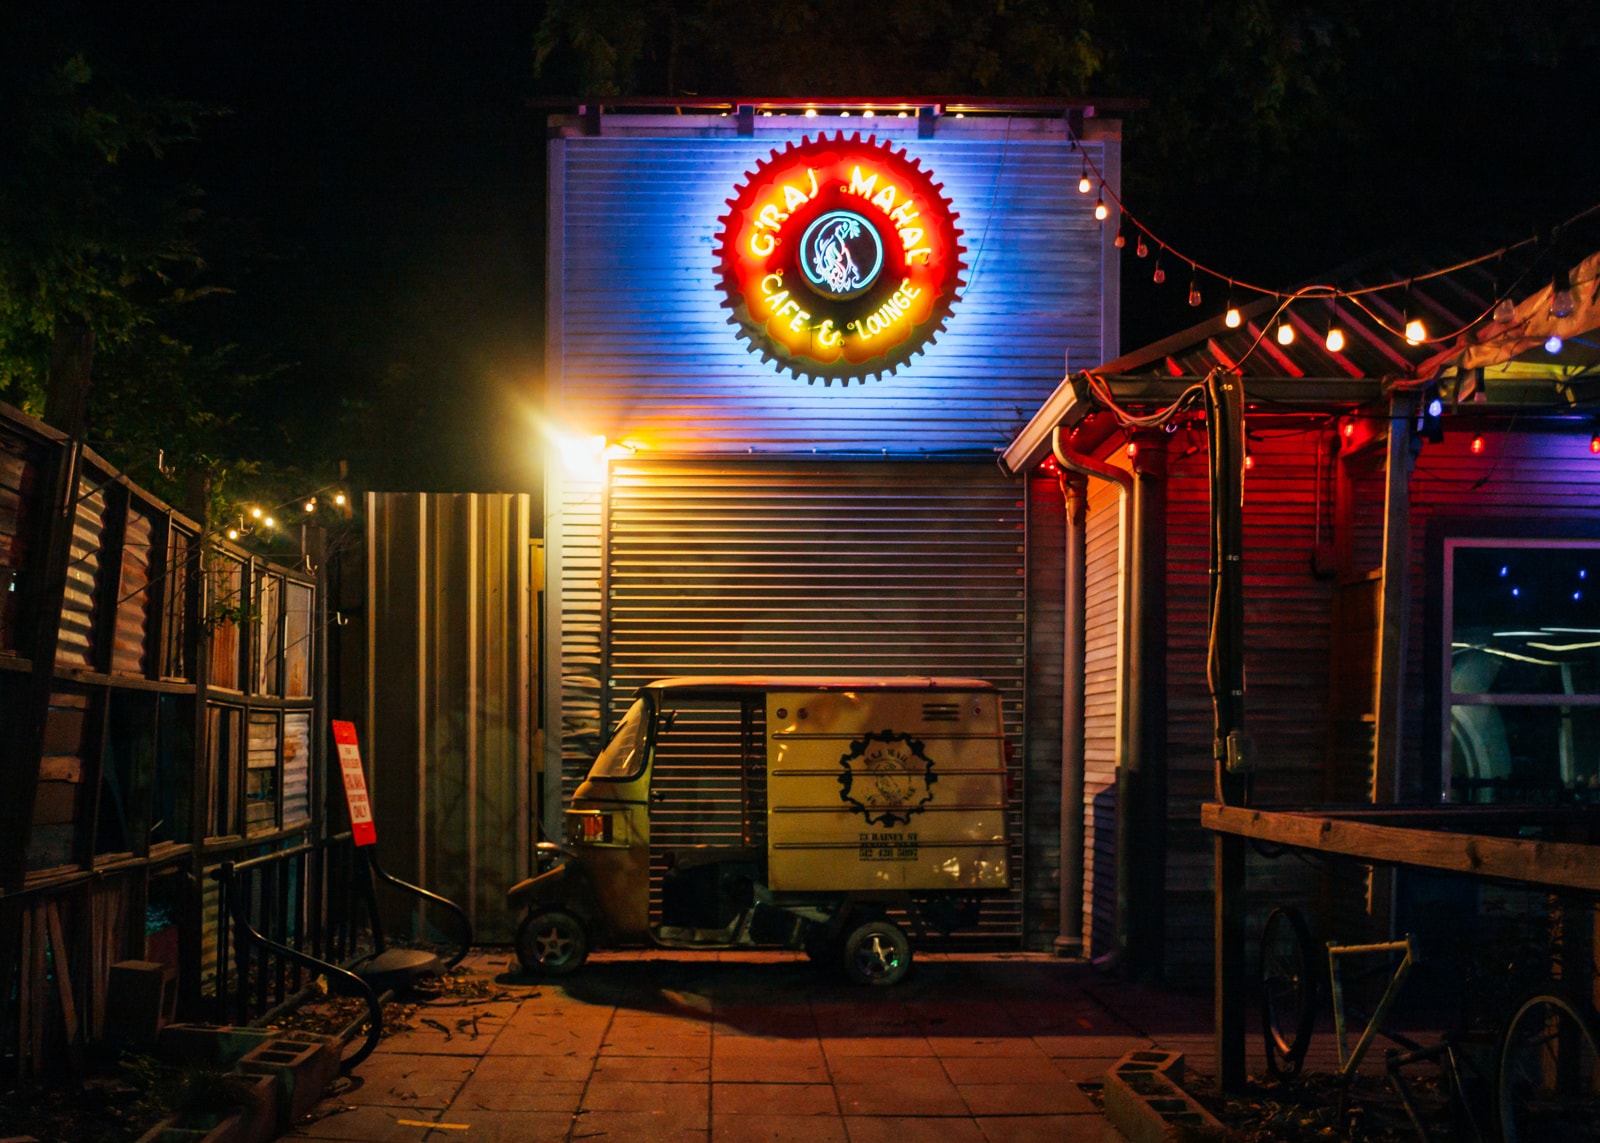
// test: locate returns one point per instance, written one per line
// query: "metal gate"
(777, 567)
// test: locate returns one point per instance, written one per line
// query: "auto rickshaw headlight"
(590, 827)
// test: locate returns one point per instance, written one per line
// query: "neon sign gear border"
(819, 337)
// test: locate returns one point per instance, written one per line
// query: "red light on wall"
(1594, 443)
(1249, 462)
(1477, 445)
(1133, 447)
(1349, 428)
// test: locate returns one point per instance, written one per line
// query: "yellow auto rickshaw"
(824, 814)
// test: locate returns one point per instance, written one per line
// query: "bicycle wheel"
(1289, 987)
(1548, 1087)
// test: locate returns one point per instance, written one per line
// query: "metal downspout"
(1070, 942)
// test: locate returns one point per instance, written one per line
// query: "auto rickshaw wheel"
(876, 953)
(552, 943)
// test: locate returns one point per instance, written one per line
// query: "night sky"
(376, 185)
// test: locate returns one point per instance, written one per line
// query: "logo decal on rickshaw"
(887, 778)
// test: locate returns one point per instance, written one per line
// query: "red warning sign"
(355, 783)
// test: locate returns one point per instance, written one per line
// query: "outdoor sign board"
(840, 258)
(355, 783)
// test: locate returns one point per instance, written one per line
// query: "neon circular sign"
(840, 259)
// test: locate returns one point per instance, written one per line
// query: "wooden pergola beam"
(1545, 863)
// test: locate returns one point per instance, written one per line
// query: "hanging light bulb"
(1477, 445)
(269, 521)
(1561, 295)
(233, 533)
(1504, 311)
(1160, 275)
(1334, 342)
(1285, 332)
(1553, 344)
(1194, 286)
(311, 505)
(1083, 179)
(1101, 211)
(1119, 241)
(1416, 332)
(1233, 317)
(256, 513)
(339, 499)
(1141, 249)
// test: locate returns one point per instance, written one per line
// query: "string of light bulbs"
(266, 517)
(1411, 327)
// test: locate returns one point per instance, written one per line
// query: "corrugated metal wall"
(642, 343)
(1104, 655)
(1047, 565)
(826, 568)
(449, 738)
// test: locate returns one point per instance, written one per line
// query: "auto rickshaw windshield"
(624, 754)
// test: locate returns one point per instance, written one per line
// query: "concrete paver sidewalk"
(734, 1048)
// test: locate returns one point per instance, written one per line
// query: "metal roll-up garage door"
(778, 567)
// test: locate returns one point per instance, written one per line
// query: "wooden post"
(1225, 672)
(1394, 605)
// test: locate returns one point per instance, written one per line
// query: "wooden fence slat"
(24, 989)
(63, 957)
(36, 1001)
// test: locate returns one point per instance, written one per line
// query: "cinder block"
(172, 1130)
(1145, 1100)
(222, 1046)
(304, 1065)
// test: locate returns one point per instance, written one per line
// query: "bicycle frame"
(1349, 1063)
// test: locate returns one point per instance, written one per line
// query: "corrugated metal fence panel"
(76, 646)
(449, 742)
(1102, 713)
(647, 350)
(296, 766)
(18, 472)
(297, 640)
(582, 723)
(133, 597)
(268, 634)
(175, 614)
(767, 567)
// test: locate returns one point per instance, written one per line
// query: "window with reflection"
(1522, 670)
